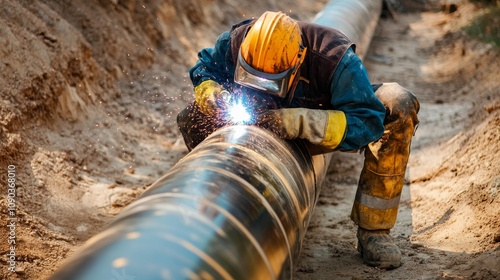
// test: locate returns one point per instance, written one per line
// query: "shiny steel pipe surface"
(236, 207)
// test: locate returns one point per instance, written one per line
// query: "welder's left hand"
(320, 127)
(211, 97)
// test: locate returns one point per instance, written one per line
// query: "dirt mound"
(458, 179)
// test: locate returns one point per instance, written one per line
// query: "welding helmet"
(270, 55)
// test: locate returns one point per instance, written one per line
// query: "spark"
(238, 113)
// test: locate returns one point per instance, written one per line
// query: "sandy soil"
(89, 94)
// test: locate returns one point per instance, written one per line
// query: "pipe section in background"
(356, 19)
(236, 207)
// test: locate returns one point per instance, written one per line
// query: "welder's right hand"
(210, 97)
(324, 128)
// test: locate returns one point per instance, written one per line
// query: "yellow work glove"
(320, 127)
(207, 94)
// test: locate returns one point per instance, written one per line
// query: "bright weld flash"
(238, 113)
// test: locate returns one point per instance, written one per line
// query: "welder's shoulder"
(223, 38)
(242, 23)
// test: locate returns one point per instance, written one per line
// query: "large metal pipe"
(236, 207)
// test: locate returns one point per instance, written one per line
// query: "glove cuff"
(335, 130)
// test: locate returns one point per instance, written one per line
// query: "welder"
(304, 81)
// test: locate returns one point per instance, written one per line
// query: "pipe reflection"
(236, 207)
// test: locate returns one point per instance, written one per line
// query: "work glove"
(320, 127)
(211, 97)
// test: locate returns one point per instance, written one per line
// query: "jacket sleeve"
(214, 63)
(353, 94)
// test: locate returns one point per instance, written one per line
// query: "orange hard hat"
(270, 54)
